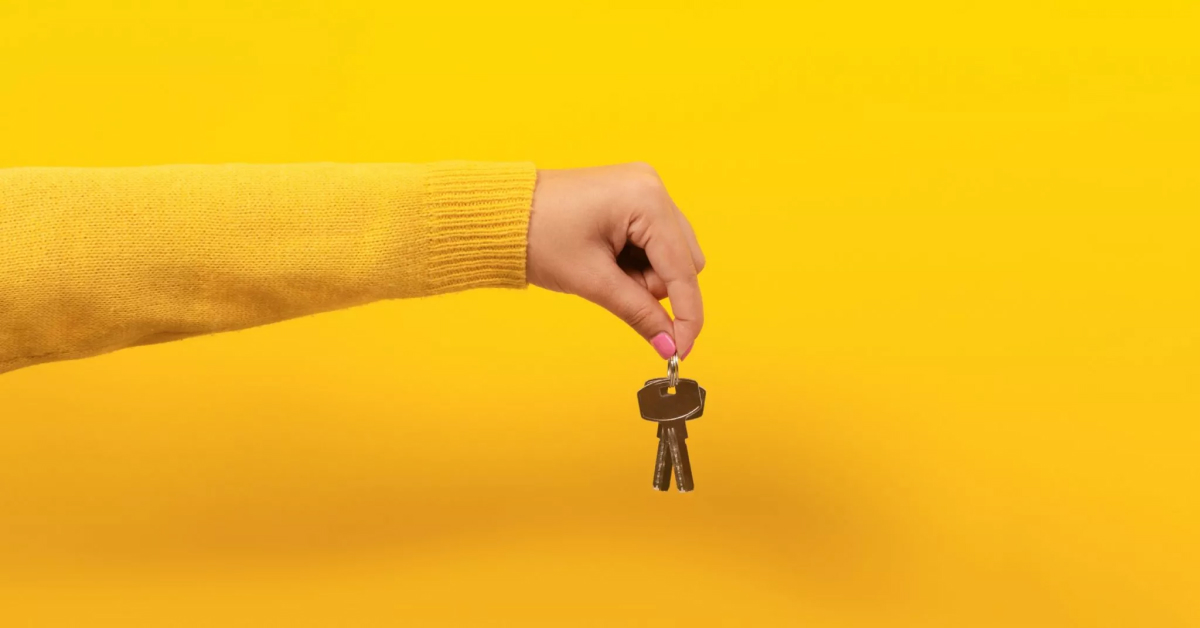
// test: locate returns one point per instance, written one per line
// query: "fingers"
(693, 244)
(650, 280)
(632, 302)
(670, 255)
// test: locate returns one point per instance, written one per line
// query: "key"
(671, 411)
(662, 462)
(675, 435)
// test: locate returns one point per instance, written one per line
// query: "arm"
(98, 259)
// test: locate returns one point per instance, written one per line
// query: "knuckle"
(647, 186)
(639, 316)
(644, 168)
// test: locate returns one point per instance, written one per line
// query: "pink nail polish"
(685, 353)
(663, 344)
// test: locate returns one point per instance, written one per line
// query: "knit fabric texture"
(97, 259)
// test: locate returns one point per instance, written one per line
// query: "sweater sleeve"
(97, 259)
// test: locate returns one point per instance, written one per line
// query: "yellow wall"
(953, 349)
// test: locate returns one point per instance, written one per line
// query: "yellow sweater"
(97, 259)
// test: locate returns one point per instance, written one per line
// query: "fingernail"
(663, 344)
(685, 353)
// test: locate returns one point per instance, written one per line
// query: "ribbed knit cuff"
(478, 224)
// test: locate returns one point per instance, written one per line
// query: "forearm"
(97, 259)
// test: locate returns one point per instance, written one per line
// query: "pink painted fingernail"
(663, 344)
(685, 353)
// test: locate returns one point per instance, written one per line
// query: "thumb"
(632, 302)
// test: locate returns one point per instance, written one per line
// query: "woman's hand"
(613, 236)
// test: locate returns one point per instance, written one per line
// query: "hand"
(613, 236)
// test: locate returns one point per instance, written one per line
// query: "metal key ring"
(673, 371)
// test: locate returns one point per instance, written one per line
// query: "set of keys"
(671, 402)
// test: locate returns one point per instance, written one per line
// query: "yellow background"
(952, 347)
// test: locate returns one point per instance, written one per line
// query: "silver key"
(671, 411)
(663, 461)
